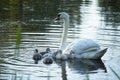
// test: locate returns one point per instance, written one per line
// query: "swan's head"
(62, 15)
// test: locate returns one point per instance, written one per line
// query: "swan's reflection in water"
(81, 66)
(90, 66)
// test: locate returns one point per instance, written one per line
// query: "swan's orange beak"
(57, 18)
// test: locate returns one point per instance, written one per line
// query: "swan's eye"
(58, 15)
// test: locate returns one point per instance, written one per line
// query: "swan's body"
(82, 48)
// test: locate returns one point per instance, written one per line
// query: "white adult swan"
(82, 48)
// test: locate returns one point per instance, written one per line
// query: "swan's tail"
(101, 53)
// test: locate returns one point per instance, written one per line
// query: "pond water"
(94, 19)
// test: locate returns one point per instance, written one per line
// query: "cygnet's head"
(72, 55)
(62, 15)
(59, 54)
(36, 51)
(59, 51)
(47, 49)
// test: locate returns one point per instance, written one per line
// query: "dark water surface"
(95, 19)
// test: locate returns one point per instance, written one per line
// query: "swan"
(36, 56)
(82, 48)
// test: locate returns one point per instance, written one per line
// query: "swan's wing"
(82, 45)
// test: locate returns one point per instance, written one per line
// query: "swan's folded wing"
(82, 45)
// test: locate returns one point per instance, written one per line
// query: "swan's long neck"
(64, 34)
